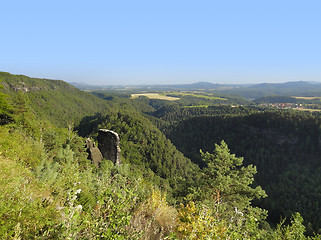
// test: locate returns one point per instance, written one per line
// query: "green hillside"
(51, 190)
(285, 147)
(142, 144)
(53, 100)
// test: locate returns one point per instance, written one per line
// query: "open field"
(197, 106)
(166, 96)
(307, 109)
(200, 96)
(155, 96)
(308, 98)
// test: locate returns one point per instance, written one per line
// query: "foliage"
(174, 113)
(154, 218)
(227, 194)
(196, 221)
(50, 190)
(228, 181)
(19, 146)
(5, 109)
(284, 145)
(144, 145)
(26, 207)
(294, 231)
(53, 100)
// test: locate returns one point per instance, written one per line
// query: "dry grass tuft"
(154, 219)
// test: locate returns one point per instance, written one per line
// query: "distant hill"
(196, 86)
(300, 88)
(289, 86)
(251, 91)
(61, 104)
(55, 100)
(165, 87)
(85, 86)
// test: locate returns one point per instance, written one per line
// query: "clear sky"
(162, 41)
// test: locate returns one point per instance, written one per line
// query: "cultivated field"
(155, 96)
(210, 97)
(308, 109)
(308, 98)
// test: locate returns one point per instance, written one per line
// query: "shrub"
(154, 219)
(26, 210)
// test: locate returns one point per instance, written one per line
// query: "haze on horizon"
(162, 42)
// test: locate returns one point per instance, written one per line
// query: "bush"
(27, 209)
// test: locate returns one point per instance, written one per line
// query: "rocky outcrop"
(108, 147)
(94, 152)
(34, 84)
(22, 86)
(108, 143)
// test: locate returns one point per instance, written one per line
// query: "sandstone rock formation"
(108, 143)
(94, 152)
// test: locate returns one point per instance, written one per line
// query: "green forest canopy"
(158, 192)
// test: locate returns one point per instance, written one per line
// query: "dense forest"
(183, 175)
(285, 147)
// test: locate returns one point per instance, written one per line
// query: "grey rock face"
(94, 152)
(109, 145)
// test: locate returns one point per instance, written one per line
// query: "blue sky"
(155, 42)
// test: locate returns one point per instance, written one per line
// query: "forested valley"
(203, 167)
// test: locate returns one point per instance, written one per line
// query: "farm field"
(173, 96)
(212, 97)
(307, 109)
(308, 98)
(155, 96)
(197, 106)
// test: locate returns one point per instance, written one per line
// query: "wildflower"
(78, 207)
(78, 191)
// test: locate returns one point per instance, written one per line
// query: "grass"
(307, 109)
(308, 98)
(197, 106)
(165, 96)
(201, 96)
(155, 96)
(26, 207)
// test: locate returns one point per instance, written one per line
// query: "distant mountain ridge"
(204, 85)
(299, 88)
(287, 85)
(251, 91)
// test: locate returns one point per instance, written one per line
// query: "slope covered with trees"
(285, 147)
(53, 100)
(142, 144)
(50, 190)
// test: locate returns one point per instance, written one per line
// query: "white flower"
(238, 212)
(78, 207)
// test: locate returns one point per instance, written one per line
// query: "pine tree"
(227, 181)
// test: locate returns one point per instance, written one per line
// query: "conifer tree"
(227, 181)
